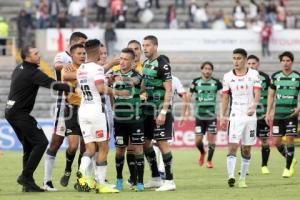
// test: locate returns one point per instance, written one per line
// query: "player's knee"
(72, 149)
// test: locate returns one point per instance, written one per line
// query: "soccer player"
(158, 124)
(25, 82)
(128, 119)
(177, 88)
(263, 130)
(138, 67)
(205, 89)
(92, 118)
(242, 86)
(73, 131)
(61, 60)
(284, 92)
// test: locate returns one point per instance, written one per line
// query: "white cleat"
(48, 186)
(154, 182)
(168, 185)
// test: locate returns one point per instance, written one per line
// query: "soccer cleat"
(209, 164)
(139, 187)
(292, 167)
(82, 183)
(64, 181)
(168, 185)
(119, 184)
(242, 183)
(231, 182)
(91, 182)
(131, 184)
(265, 170)
(154, 182)
(105, 188)
(48, 186)
(201, 159)
(286, 173)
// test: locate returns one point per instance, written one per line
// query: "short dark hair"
(240, 51)
(75, 46)
(136, 42)
(287, 54)
(207, 63)
(166, 58)
(76, 36)
(25, 51)
(92, 44)
(152, 38)
(253, 57)
(129, 51)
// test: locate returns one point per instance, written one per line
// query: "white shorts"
(59, 123)
(242, 130)
(93, 124)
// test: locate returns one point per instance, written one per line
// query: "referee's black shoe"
(28, 184)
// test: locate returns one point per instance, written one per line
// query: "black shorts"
(71, 120)
(203, 126)
(282, 127)
(262, 130)
(152, 131)
(130, 131)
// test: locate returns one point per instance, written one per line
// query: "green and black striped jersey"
(155, 73)
(286, 93)
(205, 95)
(265, 84)
(128, 109)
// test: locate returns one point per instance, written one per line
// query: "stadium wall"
(54, 40)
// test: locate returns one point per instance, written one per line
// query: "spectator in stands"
(101, 10)
(121, 16)
(253, 10)
(62, 19)
(65, 3)
(42, 14)
(291, 20)
(265, 34)
(218, 21)
(110, 38)
(262, 12)
(192, 10)
(116, 6)
(239, 15)
(271, 12)
(182, 5)
(156, 4)
(202, 14)
(75, 12)
(24, 26)
(84, 13)
(53, 12)
(171, 19)
(281, 14)
(141, 5)
(3, 35)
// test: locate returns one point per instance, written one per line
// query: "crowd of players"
(131, 101)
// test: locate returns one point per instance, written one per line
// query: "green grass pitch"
(192, 181)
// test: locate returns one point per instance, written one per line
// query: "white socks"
(161, 165)
(231, 160)
(49, 165)
(85, 163)
(245, 162)
(101, 169)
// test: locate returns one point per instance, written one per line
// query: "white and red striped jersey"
(88, 75)
(241, 90)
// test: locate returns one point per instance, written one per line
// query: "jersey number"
(86, 92)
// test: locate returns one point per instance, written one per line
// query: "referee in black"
(25, 82)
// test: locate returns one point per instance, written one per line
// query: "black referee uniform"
(25, 82)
